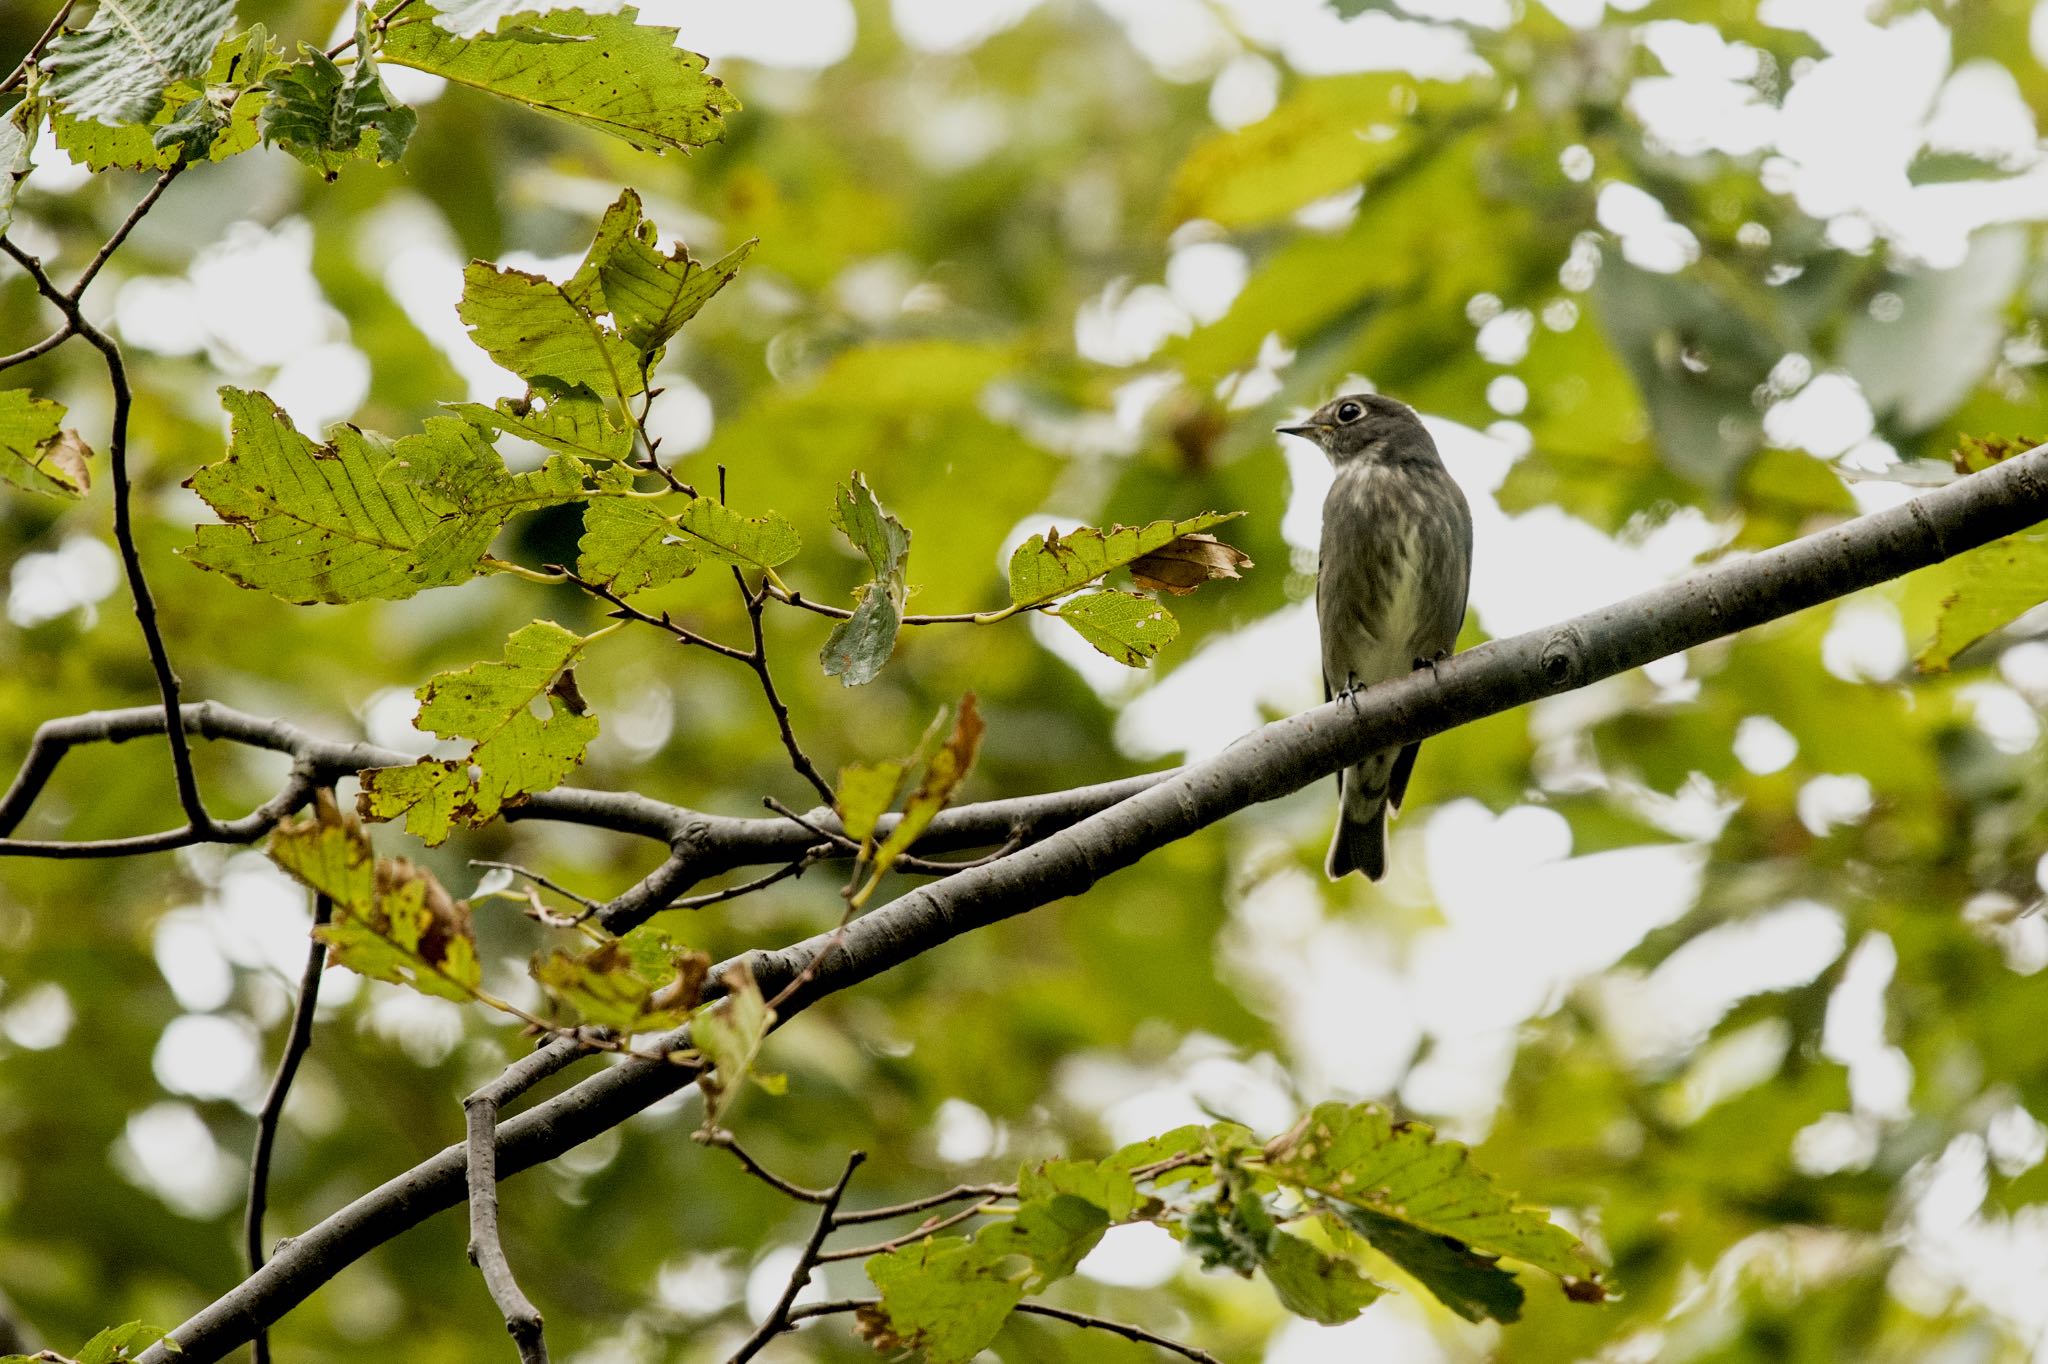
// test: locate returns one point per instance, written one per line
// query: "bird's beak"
(1306, 431)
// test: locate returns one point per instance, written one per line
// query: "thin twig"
(755, 603)
(113, 243)
(486, 1250)
(778, 1320)
(928, 1202)
(909, 865)
(1036, 1309)
(124, 535)
(42, 347)
(791, 597)
(621, 610)
(796, 868)
(296, 1044)
(35, 50)
(590, 906)
(725, 1141)
(928, 1227)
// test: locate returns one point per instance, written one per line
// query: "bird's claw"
(1431, 662)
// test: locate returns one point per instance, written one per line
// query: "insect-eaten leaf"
(1047, 567)
(642, 982)
(515, 752)
(650, 293)
(630, 546)
(603, 71)
(37, 452)
(357, 519)
(392, 920)
(327, 115)
(728, 1034)
(1182, 565)
(1129, 628)
(575, 423)
(530, 326)
(1401, 1172)
(860, 645)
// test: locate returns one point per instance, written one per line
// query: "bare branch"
(1037, 1309)
(724, 1141)
(113, 243)
(296, 1044)
(777, 1321)
(926, 1228)
(35, 51)
(756, 602)
(953, 1195)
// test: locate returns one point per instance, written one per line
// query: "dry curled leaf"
(1185, 564)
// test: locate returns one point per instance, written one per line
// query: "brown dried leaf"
(1185, 564)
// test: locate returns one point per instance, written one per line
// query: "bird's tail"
(1360, 843)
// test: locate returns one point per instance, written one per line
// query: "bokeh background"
(1733, 960)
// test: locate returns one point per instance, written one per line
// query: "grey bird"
(1390, 587)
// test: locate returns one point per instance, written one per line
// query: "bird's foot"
(1350, 690)
(1431, 662)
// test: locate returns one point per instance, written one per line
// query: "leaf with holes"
(37, 452)
(859, 645)
(650, 293)
(629, 547)
(115, 69)
(1129, 628)
(1049, 566)
(603, 71)
(531, 326)
(516, 752)
(639, 983)
(392, 920)
(357, 519)
(1359, 1155)
(576, 423)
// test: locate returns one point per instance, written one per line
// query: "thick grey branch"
(1265, 764)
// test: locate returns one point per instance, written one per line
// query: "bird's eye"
(1349, 412)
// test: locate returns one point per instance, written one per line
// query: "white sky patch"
(698, 1286)
(680, 416)
(1204, 1073)
(256, 299)
(76, 576)
(2003, 715)
(1650, 240)
(1137, 1255)
(1825, 418)
(1865, 642)
(1764, 746)
(1125, 325)
(1205, 278)
(40, 1019)
(168, 1149)
(189, 960)
(1980, 112)
(955, 25)
(1182, 40)
(209, 1056)
(1398, 1327)
(962, 1134)
(806, 35)
(1880, 1076)
(1504, 338)
(1311, 37)
(1245, 91)
(1705, 102)
(1655, 1018)
(424, 1028)
(1832, 801)
(1998, 1260)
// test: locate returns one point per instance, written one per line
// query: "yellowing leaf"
(638, 983)
(1049, 566)
(1995, 584)
(338, 523)
(528, 324)
(1129, 628)
(36, 452)
(516, 753)
(1359, 1155)
(943, 773)
(1180, 566)
(1973, 453)
(866, 792)
(858, 646)
(649, 293)
(603, 71)
(729, 1034)
(392, 920)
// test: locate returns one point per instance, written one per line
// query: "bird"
(1391, 582)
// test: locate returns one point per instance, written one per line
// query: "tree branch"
(777, 1321)
(1085, 1320)
(1267, 763)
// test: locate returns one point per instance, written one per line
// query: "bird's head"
(1364, 426)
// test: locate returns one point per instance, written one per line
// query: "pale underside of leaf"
(116, 67)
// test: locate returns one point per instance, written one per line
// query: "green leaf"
(1361, 1156)
(516, 752)
(728, 1034)
(214, 115)
(574, 423)
(17, 141)
(336, 523)
(530, 325)
(1313, 1283)
(629, 547)
(1049, 566)
(1469, 1283)
(603, 71)
(1976, 453)
(944, 771)
(866, 792)
(718, 532)
(392, 920)
(1328, 136)
(327, 117)
(1129, 628)
(1993, 586)
(639, 983)
(1098, 1182)
(115, 69)
(649, 293)
(36, 452)
(858, 646)
(116, 1343)
(457, 473)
